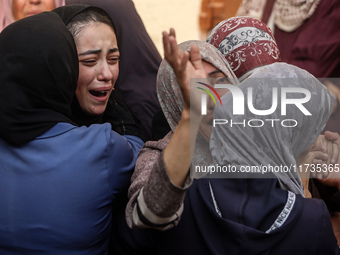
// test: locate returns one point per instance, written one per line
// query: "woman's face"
(25, 8)
(98, 56)
(214, 75)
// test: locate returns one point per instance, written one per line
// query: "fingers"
(172, 32)
(195, 57)
(335, 154)
(166, 44)
(320, 157)
(319, 144)
(173, 54)
(328, 144)
(170, 45)
(332, 137)
(310, 158)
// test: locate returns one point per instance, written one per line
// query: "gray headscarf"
(267, 145)
(169, 93)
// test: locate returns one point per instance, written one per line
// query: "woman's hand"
(326, 149)
(179, 151)
(186, 66)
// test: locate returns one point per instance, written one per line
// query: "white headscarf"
(287, 15)
(6, 16)
(242, 145)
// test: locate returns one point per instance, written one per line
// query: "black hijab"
(67, 13)
(139, 60)
(38, 78)
(117, 113)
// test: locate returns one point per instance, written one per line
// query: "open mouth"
(98, 93)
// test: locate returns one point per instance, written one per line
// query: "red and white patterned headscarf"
(246, 43)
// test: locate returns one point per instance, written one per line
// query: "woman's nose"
(105, 72)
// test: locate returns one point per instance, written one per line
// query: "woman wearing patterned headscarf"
(12, 10)
(225, 215)
(308, 36)
(246, 43)
(249, 46)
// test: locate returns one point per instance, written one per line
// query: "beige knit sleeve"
(154, 201)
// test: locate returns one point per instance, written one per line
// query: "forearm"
(156, 202)
(160, 202)
(152, 195)
(178, 153)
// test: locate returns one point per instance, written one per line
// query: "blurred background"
(192, 19)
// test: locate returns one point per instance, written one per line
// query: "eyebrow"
(89, 52)
(215, 72)
(113, 50)
(211, 74)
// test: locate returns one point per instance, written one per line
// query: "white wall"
(160, 15)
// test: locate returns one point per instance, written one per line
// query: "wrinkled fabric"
(227, 216)
(272, 144)
(288, 15)
(58, 182)
(172, 103)
(246, 43)
(6, 16)
(38, 78)
(170, 96)
(168, 91)
(57, 192)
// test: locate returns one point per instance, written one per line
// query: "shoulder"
(316, 221)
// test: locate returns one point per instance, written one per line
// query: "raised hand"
(185, 65)
(178, 153)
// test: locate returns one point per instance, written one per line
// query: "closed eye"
(223, 80)
(89, 62)
(113, 60)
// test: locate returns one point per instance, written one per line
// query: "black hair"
(89, 15)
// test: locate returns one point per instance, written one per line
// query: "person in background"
(12, 10)
(139, 60)
(58, 181)
(248, 44)
(308, 36)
